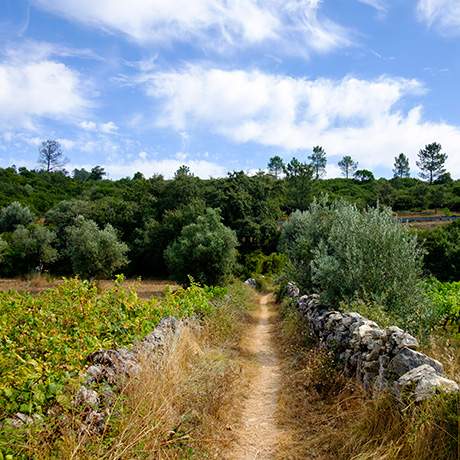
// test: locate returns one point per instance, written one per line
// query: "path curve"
(258, 432)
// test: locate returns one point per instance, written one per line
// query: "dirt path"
(258, 434)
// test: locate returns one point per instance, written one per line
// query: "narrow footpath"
(258, 434)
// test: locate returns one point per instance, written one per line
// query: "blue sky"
(222, 85)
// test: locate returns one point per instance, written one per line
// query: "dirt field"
(144, 288)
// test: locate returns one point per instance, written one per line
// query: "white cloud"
(108, 128)
(181, 156)
(32, 89)
(167, 167)
(88, 125)
(294, 24)
(380, 5)
(443, 14)
(363, 118)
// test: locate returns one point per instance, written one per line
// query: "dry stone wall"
(381, 359)
(109, 369)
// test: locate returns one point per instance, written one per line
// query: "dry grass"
(38, 283)
(445, 347)
(326, 416)
(180, 404)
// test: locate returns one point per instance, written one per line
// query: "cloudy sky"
(222, 85)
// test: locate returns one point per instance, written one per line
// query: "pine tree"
(348, 166)
(431, 162)
(318, 161)
(401, 166)
(51, 156)
(276, 166)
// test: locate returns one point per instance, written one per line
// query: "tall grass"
(327, 416)
(177, 407)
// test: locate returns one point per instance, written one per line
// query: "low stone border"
(381, 359)
(107, 371)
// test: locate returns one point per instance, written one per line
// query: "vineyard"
(46, 338)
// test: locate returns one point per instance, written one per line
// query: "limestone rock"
(86, 397)
(407, 359)
(292, 290)
(423, 382)
(251, 282)
(397, 339)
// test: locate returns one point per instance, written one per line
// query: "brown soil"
(257, 433)
(145, 288)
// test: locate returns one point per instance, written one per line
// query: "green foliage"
(46, 338)
(13, 215)
(258, 263)
(318, 161)
(401, 166)
(431, 162)
(301, 234)
(442, 251)
(149, 214)
(346, 254)
(276, 166)
(3, 249)
(446, 299)
(29, 249)
(363, 175)
(299, 184)
(348, 166)
(94, 252)
(206, 250)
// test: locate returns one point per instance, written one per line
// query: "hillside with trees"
(60, 223)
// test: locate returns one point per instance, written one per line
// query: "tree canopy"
(431, 162)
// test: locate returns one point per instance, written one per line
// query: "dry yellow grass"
(180, 404)
(37, 283)
(326, 416)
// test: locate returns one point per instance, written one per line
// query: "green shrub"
(205, 250)
(258, 263)
(348, 254)
(446, 299)
(301, 234)
(94, 252)
(13, 215)
(3, 249)
(29, 249)
(442, 245)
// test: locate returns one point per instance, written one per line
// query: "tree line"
(431, 162)
(86, 224)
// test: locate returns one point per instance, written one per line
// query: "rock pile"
(379, 358)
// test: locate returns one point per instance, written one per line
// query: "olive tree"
(94, 252)
(3, 249)
(345, 254)
(30, 249)
(13, 215)
(301, 234)
(205, 250)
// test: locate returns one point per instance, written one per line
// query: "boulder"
(397, 339)
(292, 290)
(406, 360)
(423, 382)
(251, 282)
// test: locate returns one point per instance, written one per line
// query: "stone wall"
(109, 369)
(381, 359)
